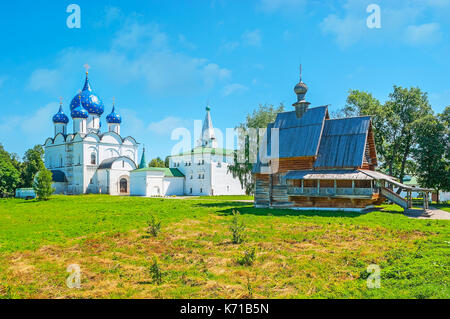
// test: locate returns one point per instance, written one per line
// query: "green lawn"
(298, 254)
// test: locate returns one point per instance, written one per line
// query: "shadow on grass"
(288, 212)
(224, 204)
(248, 209)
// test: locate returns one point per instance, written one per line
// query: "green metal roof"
(412, 181)
(206, 150)
(168, 172)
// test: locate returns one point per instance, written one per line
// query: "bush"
(155, 272)
(249, 257)
(42, 184)
(154, 226)
(237, 229)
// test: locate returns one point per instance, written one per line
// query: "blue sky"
(164, 60)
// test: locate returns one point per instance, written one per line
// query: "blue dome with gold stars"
(79, 113)
(114, 118)
(89, 101)
(60, 117)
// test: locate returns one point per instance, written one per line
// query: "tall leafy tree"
(433, 167)
(405, 106)
(259, 119)
(32, 164)
(363, 103)
(167, 161)
(9, 174)
(42, 184)
(157, 162)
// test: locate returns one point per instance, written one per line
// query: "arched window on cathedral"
(60, 161)
(93, 159)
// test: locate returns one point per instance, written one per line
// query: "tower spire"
(301, 73)
(143, 163)
(208, 138)
(301, 106)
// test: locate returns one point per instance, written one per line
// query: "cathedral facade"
(88, 160)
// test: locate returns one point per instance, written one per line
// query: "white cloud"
(229, 46)
(233, 88)
(252, 38)
(33, 126)
(111, 15)
(429, 33)
(167, 125)
(44, 80)
(347, 30)
(186, 43)
(348, 24)
(140, 53)
(135, 36)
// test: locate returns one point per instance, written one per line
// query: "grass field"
(298, 254)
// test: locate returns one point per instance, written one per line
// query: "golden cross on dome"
(60, 100)
(87, 67)
(114, 101)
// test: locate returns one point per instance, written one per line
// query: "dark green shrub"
(154, 226)
(237, 229)
(249, 257)
(156, 272)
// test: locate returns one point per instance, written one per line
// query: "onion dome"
(89, 101)
(60, 117)
(78, 112)
(301, 88)
(114, 118)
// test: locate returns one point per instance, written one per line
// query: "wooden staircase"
(395, 198)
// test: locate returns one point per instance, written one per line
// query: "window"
(201, 190)
(60, 161)
(228, 188)
(93, 159)
(191, 191)
(123, 164)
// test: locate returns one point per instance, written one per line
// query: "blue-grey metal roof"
(59, 176)
(343, 143)
(299, 137)
(338, 174)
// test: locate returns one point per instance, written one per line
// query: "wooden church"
(308, 160)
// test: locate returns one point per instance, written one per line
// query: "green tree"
(361, 103)
(393, 125)
(444, 117)
(167, 161)
(42, 184)
(433, 168)
(9, 174)
(32, 164)
(157, 162)
(405, 107)
(259, 119)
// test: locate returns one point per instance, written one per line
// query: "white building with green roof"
(206, 166)
(203, 171)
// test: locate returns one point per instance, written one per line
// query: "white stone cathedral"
(88, 160)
